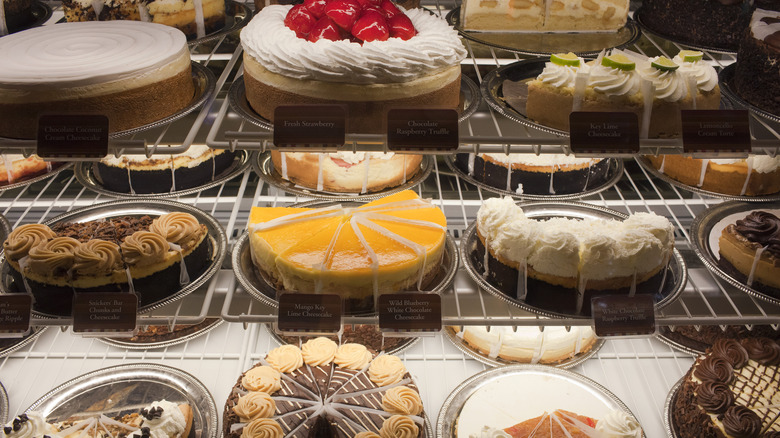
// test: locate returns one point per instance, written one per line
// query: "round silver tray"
(127, 388)
(237, 15)
(264, 168)
(261, 287)
(676, 276)
(126, 343)
(671, 399)
(401, 347)
(3, 404)
(706, 229)
(661, 336)
(725, 78)
(203, 80)
(546, 43)
(35, 331)
(40, 12)
(498, 362)
(86, 177)
(639, 17)
(5, 229)
(55, 169)
(645, 163)
(151, 207)
(544, 389)
(469, 102)
(614, 174)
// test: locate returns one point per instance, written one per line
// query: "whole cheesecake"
(418, 68)
(388, 245)
(133, 72)
(757, 74)
(750, 251)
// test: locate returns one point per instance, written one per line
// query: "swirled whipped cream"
(667, 85)
(618, 424)
(562, 75)
(489, 432)
(435, 48)
(759, 163)
(705, 75)
(614, 82)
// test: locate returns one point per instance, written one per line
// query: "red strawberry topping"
(316, 7)
(327, 29)
(365, 3)
(300, 20)
(401, 27)
(371, 26)
(343, 12)
(389, 9)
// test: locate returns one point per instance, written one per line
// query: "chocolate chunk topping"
(741, 422)
(714, 397)
(732, 351)
(762, 350)
(151, 414)
(762, 228)
(714, 369)
(7, 430)
(113, 230)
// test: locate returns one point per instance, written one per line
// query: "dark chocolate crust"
(757, 74)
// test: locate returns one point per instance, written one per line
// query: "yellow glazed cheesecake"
(391, 244)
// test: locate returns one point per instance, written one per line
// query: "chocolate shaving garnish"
(741, 422)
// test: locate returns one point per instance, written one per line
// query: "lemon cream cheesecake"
(655, 89)
(133, 72)
(394, 243)
(544, 15)
(346, 172)
(367, 61)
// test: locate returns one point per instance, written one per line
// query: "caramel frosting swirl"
(763, 228)
(714, 369)
(53, 256)
(177, 227)
(762, 350)
(741, 422)
(24, 238)
(97, 257)
(255, 405)
(352, 356)
(399, 426)
(286, 358)
(714, 397)
(262, 428)
(319, 351)
(263, 379)
(386, 370)
(144, 248)
(366, 435)
(402, 400)
(732, 351)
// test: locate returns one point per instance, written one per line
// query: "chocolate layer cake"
(153, 257)
(732, 391)
(535, 175)
(364, 334)
(704, 337)
(757, 75)
(162, 173)
(750, 252)
(324, 390)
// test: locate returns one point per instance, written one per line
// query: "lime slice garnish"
(566, 59)
(618, 61)
(664, 64)
(690, 55)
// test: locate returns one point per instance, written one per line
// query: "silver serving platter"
(203, 80)
(3, 404)
(86, 177)
(671, 431)
(22, 342)
(707, 227)
(614, 174)
(400, 348)
(40, 12)
(126, 343)
(5, 229)
(676, 345)
(237, 15)
(499, 362)
(264, 167)
(579, 390)
(546, 43)
(645, 163)
(127, 388)
(676, 277)
(469, 102)
(639, 17)
(55, 169)
(261, 287)
(151, 207)
(725, 78)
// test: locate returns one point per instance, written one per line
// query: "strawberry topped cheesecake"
(368, 55)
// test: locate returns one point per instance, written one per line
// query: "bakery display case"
(636, 372)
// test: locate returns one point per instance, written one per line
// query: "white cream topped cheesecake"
(544, 15)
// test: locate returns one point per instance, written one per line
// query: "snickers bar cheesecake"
(750, 251)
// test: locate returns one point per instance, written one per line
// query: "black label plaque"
(15, 315)
(309, 126)
(309, 313)
(604, 133)
(73, 137)
(422, 130)
(622, 315)
(715, 131)
(103, 312)
(409, 312)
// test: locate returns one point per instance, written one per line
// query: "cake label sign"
(619, 315)
(15, 315)
(309, 126)
(309, 313)
(101, 312)
(409, 312)
(73, 137)
(604, 133)
(422, 130)
(716, 131)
